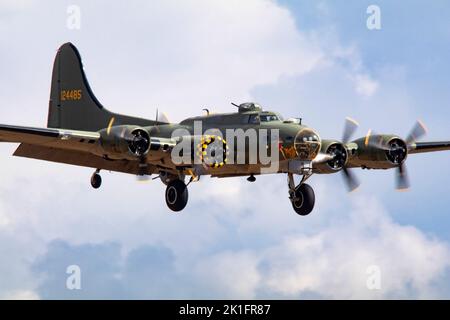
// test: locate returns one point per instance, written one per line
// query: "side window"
(245, 119)
(254, 119)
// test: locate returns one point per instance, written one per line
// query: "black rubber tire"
(306, 201)
(96, 181)
(176, 195)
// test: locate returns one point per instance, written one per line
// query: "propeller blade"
(349, 129)
(162, 117)
(350, 180)
(418, 131)
(402, 178)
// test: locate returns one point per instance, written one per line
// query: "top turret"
(249, 106)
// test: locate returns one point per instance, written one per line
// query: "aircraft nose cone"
(307, 144)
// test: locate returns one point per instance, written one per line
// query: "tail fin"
(72, 103)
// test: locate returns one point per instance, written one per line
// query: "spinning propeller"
(397, 150)
(350, 179)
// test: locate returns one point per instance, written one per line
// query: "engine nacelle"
(377, 152)
(124, 142)
(335, 157)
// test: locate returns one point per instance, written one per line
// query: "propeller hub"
(397, 151)
(339, 154)
(140, 142)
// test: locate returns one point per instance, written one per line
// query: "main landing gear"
(96, 179)
(302, 196)
(176, 195)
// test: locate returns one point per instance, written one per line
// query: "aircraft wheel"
(303, 202)
(176, 195)
(96, 181)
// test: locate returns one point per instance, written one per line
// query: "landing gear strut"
(302, 196)
(96, 179)
(176, 195)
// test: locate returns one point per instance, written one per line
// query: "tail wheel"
(303, 199)
(176, 195)
(96, 180)
(213, 151)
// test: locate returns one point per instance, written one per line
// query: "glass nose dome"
(307, 144)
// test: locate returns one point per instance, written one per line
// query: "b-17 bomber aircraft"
(246, 143)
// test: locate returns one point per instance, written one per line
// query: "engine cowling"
(139, 142)
(397, 151)
(124, 142)
(378, 152)
(334, 157)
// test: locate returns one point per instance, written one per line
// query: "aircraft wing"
(422, 147)
(79, 158)
(64, 146)
(49, 137)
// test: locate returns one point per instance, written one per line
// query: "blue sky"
(314, 59)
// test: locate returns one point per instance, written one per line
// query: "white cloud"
(21, 295)
(330, 262)
(242, 238)
(364, 85)
(349, 56)
(334, 261)
(230, 275)
(15, 6)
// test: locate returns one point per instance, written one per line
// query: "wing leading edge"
(422, 147)
(49, 137)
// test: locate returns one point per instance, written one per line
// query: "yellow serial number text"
(70, 95)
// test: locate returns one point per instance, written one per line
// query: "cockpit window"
(269, 117)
